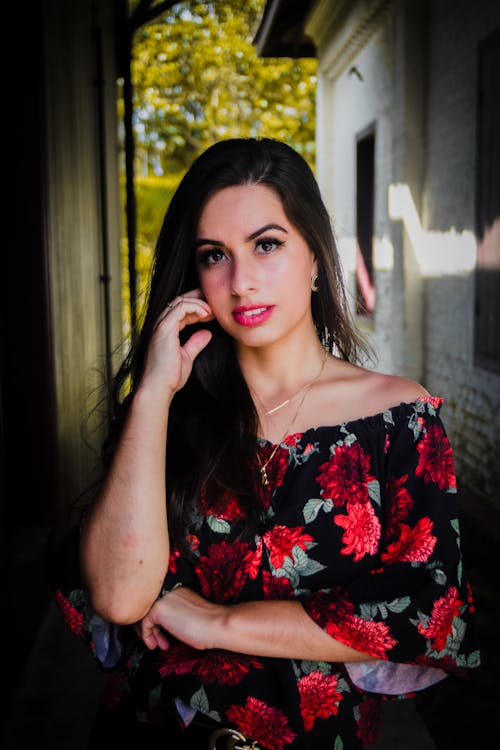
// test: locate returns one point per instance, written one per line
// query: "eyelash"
(269, 241)
(205, 257)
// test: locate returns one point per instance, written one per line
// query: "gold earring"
(314, 283)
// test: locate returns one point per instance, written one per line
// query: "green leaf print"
(313, 507)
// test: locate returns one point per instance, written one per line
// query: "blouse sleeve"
(106, 641)
(109, 643)
(413, 610)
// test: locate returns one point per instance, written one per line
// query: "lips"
(252, 315)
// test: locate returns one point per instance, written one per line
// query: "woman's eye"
(267, 245)
(211, 257)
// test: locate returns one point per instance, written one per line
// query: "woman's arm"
(280, 629)
(124, 545)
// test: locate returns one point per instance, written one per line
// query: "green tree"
(197, 78)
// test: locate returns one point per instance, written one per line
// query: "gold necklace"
(283, 403)
(263, 466)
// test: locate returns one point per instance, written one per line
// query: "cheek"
(213, 286)
(299, 277)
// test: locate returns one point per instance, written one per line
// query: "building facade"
(408, 159)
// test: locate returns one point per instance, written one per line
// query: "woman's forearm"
(124, 546)
(280, 629)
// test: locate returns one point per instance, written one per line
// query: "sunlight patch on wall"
(437, 253)
(383, 254)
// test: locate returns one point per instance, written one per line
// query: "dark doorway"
(365, 196)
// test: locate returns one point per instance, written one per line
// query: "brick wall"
(472, 409)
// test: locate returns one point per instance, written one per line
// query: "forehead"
(242, 206)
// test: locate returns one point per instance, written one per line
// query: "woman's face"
(254, 267)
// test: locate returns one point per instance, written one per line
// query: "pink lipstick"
(252, 315)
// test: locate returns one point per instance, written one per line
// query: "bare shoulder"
(393, 389)
(361, 392)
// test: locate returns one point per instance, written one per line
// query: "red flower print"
(324, 607)
(276, 588)
(275, 470)
(362, 530)
(227, 667)
(470, 598)
(446, 663)
(224, 667)
(364, 635)
(280, 541)
(261, 723)
(277, 466)
(172, 560)
(387, 443)
(414, 544)
(256, 562)
(71, 616)
(222, 573)
(435, 463)
(175, 553)
(440, 624)
(179, 659)
(399, 503)
(369, 720)
(345, 476)
(434, 401)
(319, 698)
(220, 503)
(293, 440)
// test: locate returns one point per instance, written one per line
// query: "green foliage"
(153, 195)
(197, 79)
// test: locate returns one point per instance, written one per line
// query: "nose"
(243, 276)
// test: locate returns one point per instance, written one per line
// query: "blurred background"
(395, 105)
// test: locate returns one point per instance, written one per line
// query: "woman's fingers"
(168, 363)
(183, 312)
(189, 304)
(152, 634)
(196, 343)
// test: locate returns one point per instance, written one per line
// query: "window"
(365, 196)
(487, 308)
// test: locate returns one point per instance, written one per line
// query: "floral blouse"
(359, 524)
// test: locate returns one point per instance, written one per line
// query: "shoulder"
(392, 390)
(364, 393)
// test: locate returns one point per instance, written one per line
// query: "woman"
(276, 541)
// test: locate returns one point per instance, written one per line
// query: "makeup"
(252, 315)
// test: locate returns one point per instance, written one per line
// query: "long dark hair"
(212, 420)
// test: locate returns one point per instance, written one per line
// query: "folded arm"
(280, 629)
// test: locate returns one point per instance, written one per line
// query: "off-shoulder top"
(359, 523)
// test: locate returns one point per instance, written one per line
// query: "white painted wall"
(418, 65)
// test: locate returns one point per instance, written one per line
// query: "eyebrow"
(252, 236)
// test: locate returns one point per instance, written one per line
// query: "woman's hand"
(185, 615)
(167, 362)
(277, 628)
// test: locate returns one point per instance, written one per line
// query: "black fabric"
(117, 729)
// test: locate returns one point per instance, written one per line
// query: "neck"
(276, 373)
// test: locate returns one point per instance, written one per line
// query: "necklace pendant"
(263, 476)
